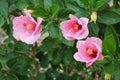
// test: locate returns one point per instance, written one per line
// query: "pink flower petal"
(89, 51)
(26, 29)
(74, 29)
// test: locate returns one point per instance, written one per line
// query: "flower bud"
(93, 16)
(107, 76)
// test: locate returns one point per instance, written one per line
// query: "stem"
(36, 61)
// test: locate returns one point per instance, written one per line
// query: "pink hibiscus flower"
(89, 51)
(26, 29)
(74, 28)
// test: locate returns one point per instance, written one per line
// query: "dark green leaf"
(63, 13)
(63, 77)
(83, 3)
(101, 3)
(58, 56)
(68, 56)
(41, 76)
(93, 29)
(53, 31)
(10, 76)
(49, 44)
(41, 12)
(44, 61)
(79, 12)
(108, 17)
(54, 10)
(19, 65)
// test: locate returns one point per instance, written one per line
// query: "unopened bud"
(93, 16)
(107, 76)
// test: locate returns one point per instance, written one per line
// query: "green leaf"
(49, 44)
(10, 76)
(58, 56)
(20, 46)
(93, 29)
(63, 77)
(47, 3)
(41, 76)
(21, 4)
(109, 44)
(101, 3)
(44, 61)
(3, 60)
(2, 21)
(63, 13)
(110, 30)
(79, 12)
(68, 56)
(3, 10)
(108, 17)
(111, 68)
(19, 65)
(53, 30)
(117, 74)
(83, 3)
(41, 12)
(54, 10)
(51, 73)
(102, 62)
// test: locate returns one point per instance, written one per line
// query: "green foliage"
(109, 45)
(101, 4)
(108, 17)
(52, 58)
(94, 29)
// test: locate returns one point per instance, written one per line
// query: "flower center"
(77, 26)
(91, 52)
(29, 26)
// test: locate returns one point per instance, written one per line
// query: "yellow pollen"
(76, 26)
(29, 26)
(90, 51)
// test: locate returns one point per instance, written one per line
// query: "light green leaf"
(117, 74)
(21, 4)
(109, 44)
(3, 10)
(2, 21)
(47, 3)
